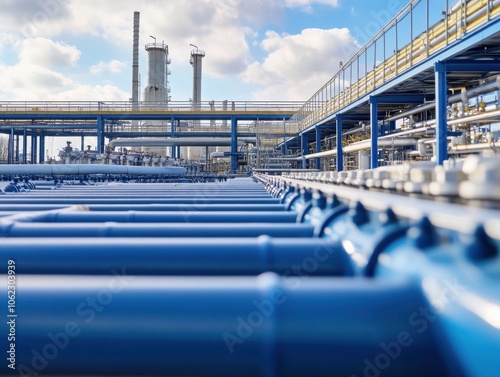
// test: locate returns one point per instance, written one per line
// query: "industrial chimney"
(196, 153)
(135, 63)
(196, 61)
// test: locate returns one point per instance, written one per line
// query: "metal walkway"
(38, 120)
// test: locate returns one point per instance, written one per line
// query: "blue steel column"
(17, 149)
(172, 134)
(33, 149)
(11, 146)
(25, 148)
(392, 125)
(318, 147)
(441, 113)
(100, 134)
(374, 131)
(340, 152)
(304, 147)
(41, 148)
(234, 144)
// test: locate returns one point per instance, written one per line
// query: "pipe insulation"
(365, 144)
(162, 142)
(84, 169)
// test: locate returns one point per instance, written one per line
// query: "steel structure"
(38, 120)
(408, 69)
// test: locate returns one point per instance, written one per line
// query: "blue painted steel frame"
(467, 41)
(374, 131)
(340, 152)
(318, 147)
(234, 144)
(441, 113)
(100, 136)
(304, 148)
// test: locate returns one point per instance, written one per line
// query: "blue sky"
(255, 49)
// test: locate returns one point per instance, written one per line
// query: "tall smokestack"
(135, 63)
(196, 61)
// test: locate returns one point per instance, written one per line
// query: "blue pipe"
(129, 201)
(177, 256)
(112, 229)
(222, 326)
(152, 207)
(169, 217)
(459, 277)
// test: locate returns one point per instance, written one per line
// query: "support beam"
(17, 149)
(340, 151)
(318, 147)
(441, 112)
(172, 134)
(11, 146)
(41, 148)
(374, 131)
(284, 138)
(304, 148)
(401, 98)
(25, 147)
(33, 149)
(234, 144)
(100, 134)
(471, 65)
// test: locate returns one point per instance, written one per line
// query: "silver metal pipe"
(469, 148)
(162, 142)
(365, 144)
(488, 87)
(83, 169)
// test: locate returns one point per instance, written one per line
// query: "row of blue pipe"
(309, 282)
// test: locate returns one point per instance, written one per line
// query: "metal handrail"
(337, 94)
(127, 106)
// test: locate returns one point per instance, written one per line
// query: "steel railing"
(127, 106)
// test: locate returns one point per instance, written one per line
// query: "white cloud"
(293, 67)
(218, 27)
(81, 92)
(307, 5)
(47, 53)
(113, 66)
(297, 65)
(30, 82)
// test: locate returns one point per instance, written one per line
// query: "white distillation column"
(156, 93)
